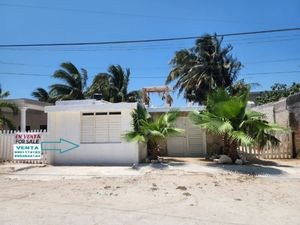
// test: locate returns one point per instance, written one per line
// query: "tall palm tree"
(150, 132)
(201, 69)
(42, 95)
(74, 83)
(229, 117)
(114, 85)
(4, 122)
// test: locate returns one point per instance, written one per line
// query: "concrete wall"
(67, 125)
(279, 113)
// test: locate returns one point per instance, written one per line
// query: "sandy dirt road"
(155, 196)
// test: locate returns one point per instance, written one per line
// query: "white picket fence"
(283, 151)
(7, 140)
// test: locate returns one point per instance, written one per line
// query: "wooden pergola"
(164, 90)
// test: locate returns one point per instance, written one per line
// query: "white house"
(97, 127)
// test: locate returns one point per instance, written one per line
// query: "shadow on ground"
(256, 161)
(173, 161)
(254, 170)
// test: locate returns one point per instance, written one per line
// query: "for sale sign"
(27, 146)
(27, 151)
(28, 138)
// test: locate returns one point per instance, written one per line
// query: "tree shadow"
(163, 163)
(256, 161)
(172, 160)
(254, 170)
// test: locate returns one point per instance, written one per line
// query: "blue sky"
(35, 21)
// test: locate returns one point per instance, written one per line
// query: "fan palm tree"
(4, 122)
(42, 95)
(203, 68)
(229, 117)
(74, 83)
(150, 132)
(114, 85)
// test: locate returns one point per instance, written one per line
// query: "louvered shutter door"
(101, 130)
(87, 127)
(115, 120)
(196, 140)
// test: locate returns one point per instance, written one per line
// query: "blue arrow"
(61, 140)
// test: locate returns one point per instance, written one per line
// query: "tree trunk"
(226, 144)
(153, 150)
(233, 153)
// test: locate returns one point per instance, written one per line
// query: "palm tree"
(74, 83)
(229, 117)
(114, 85)
(8, 105)
(203, 68)
(150, 132)
(42, 95)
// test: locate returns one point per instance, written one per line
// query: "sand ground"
(178, 192)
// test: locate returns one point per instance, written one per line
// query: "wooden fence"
(283, 151)
(7, 140)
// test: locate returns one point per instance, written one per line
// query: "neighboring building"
(31, 114)
(97, 126)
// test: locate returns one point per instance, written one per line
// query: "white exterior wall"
(67, 125)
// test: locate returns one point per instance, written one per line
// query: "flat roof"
(88, 105)
(29, 103)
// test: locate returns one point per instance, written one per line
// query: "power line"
(160, 67)
(137, 48)
(146, 40)
(151, 77)
(272, 61)
(274, 72)
(119, 13)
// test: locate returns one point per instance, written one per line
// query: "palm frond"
(9, 105)
(6, 122)
(210, 122)
(241, 138)
(133, 136)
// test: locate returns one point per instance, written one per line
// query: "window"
(27, 128)
(101, 127)
(43, 127)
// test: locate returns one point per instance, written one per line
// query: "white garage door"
(191, 143)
